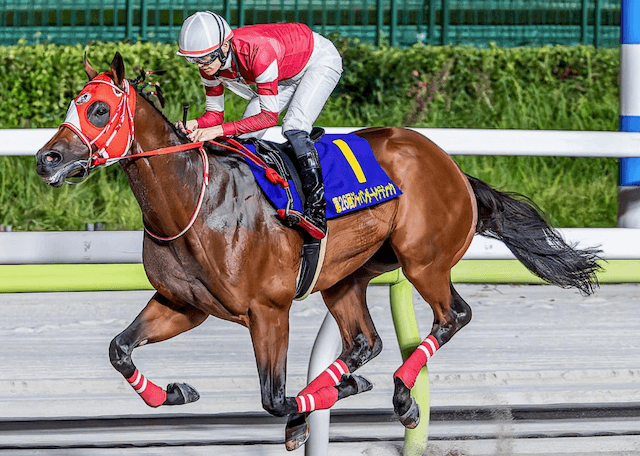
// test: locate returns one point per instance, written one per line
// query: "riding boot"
(314, 213)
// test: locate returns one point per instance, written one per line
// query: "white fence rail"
(78, 247)
(456, 141)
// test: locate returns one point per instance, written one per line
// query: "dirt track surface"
(526, 346)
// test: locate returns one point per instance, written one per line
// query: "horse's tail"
(520, 225)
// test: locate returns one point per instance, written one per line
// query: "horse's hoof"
(411, 418)
(362, 384)
(352, 384)
(405, 406)
(180, 393)
(296, 432)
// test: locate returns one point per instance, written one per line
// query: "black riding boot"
(312, 185)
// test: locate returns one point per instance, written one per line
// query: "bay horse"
(236, 260)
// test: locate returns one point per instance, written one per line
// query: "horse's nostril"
(52, 157)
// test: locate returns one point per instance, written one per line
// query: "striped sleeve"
(214, 113)
(267, 88)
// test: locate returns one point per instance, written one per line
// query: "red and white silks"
(410, 369)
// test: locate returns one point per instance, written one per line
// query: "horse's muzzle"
(48, 167)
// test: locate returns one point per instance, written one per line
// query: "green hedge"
(563, 88)
(578, 84)
(569, 88)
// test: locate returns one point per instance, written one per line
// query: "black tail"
(518, 224)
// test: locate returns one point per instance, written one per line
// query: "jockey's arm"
(267, 88)
(209, 125)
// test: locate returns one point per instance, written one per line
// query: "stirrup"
(313, 229)
(293, 217)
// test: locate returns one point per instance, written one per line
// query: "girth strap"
(313, 252)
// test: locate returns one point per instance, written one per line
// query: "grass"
(28, 204)
(572, 192)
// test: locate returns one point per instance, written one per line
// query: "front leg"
(160, 320)
(360, 343)
(269, 328)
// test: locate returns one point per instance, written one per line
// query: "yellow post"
(408, 334)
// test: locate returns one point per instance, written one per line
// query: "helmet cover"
(202, 33)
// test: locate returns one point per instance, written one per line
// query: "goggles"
(205, 60)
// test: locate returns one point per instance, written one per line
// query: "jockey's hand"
(206, 134)
(190, 126)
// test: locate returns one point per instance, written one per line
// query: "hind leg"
(360, 343)
(347, 302)
(160, 320)
(451, 313)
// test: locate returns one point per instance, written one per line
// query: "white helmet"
(203, 33)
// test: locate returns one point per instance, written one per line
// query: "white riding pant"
(305, 94)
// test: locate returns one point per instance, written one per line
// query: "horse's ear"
(117, 69)
(88, 68)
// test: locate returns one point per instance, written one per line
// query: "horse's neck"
(166, 187)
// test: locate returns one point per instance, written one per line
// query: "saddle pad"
(353, 179)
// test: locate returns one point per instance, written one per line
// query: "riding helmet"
(202, 33)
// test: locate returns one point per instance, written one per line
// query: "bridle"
(107, 144)
(112, 143)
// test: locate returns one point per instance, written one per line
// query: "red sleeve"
(210, 119)
(260, 121)
(267, 88)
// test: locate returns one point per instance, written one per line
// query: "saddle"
(281, 157)
(353, 180)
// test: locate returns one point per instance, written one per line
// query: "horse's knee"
(459, 316)
(120, 356)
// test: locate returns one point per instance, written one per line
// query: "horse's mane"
(147, 96)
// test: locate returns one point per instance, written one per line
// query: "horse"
(236, 260)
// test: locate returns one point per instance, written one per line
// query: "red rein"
(271, 174)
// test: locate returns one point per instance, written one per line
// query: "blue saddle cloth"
(353, 179)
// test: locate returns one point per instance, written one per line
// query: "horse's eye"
(98, 114)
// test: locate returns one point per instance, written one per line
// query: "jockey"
(292, 68)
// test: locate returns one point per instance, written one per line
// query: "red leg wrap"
(408, 372)
(330, 377)
(151, 393)
(322, 399)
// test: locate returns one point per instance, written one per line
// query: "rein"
(271, 174)
(205, 182)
